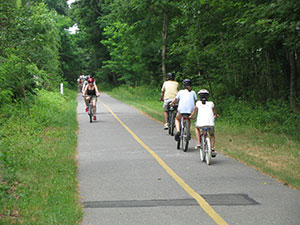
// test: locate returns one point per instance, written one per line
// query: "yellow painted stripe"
(201, 201)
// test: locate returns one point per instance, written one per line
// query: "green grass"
(272, 153)
(38, 161)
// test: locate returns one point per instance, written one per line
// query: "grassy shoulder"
(38, 166)
(274, 154)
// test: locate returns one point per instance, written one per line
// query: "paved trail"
(131, 173)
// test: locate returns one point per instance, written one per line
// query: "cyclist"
(169, 91)
(186, 102)
(85, 82)
(205, 118)
(91, 92)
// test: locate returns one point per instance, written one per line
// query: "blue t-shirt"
(186, 101)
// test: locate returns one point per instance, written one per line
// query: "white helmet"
(203, 94)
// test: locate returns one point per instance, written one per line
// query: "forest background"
(246, 53)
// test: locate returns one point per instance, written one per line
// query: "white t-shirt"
(205, 115)
(186, 101)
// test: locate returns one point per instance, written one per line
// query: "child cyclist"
(205, 118)
(186, 102)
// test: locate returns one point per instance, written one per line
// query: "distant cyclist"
(169, 91)
(91, 92)
(186, 103)
(205, 118)
(85, 82)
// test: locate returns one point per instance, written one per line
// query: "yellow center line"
(201, 201)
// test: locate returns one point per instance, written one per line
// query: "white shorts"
(166, 103)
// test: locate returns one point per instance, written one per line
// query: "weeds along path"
(130, 172)
(38, 162)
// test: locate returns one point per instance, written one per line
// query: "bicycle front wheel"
(208, 152)
(90, 112)
(202, 152)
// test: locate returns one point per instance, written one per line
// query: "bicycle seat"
(185, 114)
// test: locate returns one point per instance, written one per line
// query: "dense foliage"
(35, 48)
(248, 50)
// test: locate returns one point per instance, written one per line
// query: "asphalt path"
(131, 173)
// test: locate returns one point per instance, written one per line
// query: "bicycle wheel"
(170, 121)
(202, 152)
(173, 123)
(90, 112)
(208, 152)
(185, 137)
(178, 143)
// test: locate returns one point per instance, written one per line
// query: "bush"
(274, 116)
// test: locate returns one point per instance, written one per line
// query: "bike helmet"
(91, 80)
(187, 82)
(171, 76)
(203, 95)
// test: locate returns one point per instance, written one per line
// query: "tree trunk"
(114, 78)
(164, 42)
(269, 73)
(293, 83)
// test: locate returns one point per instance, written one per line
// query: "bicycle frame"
(90, 108)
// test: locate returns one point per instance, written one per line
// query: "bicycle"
(172, 110)
(185, 136)
(90, 109)
(205, 149)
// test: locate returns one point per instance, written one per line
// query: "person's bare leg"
(197, 132)
(87, 101)
(212, 140)
(166, 117)
(94, 106)
(177, 122)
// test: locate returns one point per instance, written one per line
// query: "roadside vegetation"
(38, 165)
(264, 137)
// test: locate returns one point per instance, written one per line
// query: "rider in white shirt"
(205, 118)
(186, 102)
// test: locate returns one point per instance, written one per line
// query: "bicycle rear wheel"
(185, 137)
(173, 123)
(170, 122)
(178, 143)
(202, 152)
(208, 152)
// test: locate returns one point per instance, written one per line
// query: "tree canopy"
(241, 49)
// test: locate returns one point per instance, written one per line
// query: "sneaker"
(95, 118)
(166, 126)
(198, 146)
(177, 135)
(213, 152)
(86, 109)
